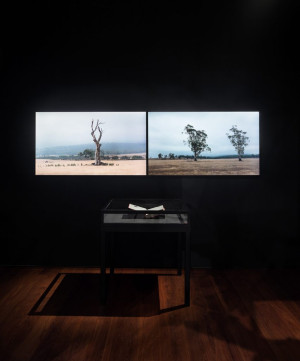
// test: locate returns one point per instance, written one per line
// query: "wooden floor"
(55, 314)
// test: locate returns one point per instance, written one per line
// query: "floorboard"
(49, 314)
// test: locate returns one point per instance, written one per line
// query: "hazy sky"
(165, 131)
(71, 128)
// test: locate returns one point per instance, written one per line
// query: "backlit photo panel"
(203, 143)
(90, 143)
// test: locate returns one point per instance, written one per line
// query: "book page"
(158, 208)
(136, 208)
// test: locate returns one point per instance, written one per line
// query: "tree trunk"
(97, 155)
(97, 141)
(195, 157)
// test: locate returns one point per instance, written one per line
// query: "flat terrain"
(249, 166)
(85, 167)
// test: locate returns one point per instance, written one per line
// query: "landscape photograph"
(203, 143)
(90, 143)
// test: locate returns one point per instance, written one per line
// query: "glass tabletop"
(169, 205)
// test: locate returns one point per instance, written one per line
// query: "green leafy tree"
(239, 140)
(171, 156)
(160, 156)
(87, 153)
(196, 140)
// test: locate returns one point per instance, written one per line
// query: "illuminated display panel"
(203, 143)
(90, 143)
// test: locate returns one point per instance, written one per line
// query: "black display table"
(117, 217)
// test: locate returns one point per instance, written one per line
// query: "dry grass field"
(249, 166)
(85, 167)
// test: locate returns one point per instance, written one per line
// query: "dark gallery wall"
(124, 57)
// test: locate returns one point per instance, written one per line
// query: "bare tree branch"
(97, 141)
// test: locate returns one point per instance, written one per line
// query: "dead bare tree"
(97, 140)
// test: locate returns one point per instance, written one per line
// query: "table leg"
(179, 254)
(112, 253)
(187, 269)
(103, 268)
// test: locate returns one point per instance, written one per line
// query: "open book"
(138, 208)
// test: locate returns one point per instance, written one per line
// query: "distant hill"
(108, 148)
